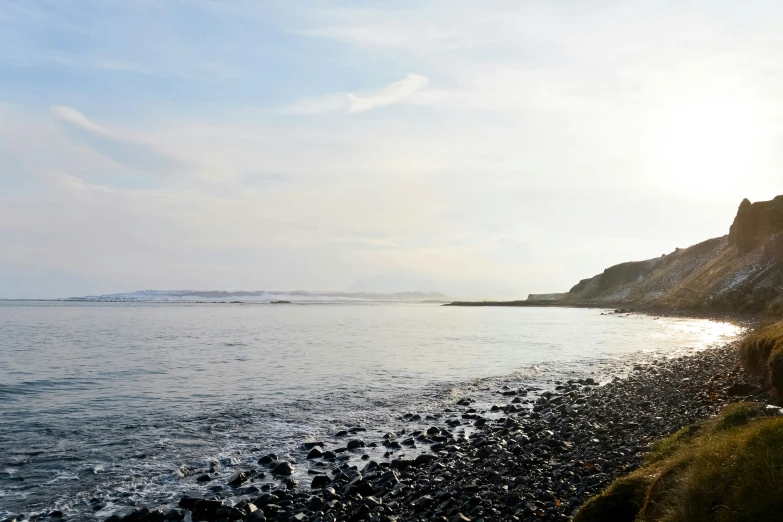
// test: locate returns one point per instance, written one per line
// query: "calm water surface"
(110, 403)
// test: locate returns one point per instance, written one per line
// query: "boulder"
(281, 467)
(315, 453)
(238, 478)
(267, 459)
(320, 481)
(355, 443)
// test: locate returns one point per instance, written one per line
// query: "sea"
(104, 405)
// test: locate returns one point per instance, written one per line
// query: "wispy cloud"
(353, 104)
(125, 151)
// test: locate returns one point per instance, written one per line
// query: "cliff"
(742, 271)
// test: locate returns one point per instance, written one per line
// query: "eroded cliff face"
(740, 271)
(755, 223)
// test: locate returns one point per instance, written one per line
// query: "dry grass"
(729, 469)
(762, 353)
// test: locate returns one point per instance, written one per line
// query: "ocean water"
(111, 404)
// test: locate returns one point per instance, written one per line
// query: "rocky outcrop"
(755, 222)
(773, 249)
(740, 271)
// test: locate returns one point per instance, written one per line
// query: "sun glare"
(708, 146)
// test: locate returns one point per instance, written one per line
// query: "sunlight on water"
(109, 401)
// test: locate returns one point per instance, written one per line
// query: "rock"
(282, 467)
(204, 478)
(773, 249)
(424, 458)
(754, 222)
(738, 389)
(459, 517)
(422, 502)
(311, 445)
(355, 443)
(189, 499)
(315, 453)
(320, 481)
(267, 459)
(238, 478)
(206, 509)
(256, 516)
(315, 503)
(175, 514)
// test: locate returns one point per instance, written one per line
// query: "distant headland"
(739, 272)
(260, 296)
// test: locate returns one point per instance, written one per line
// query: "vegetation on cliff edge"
(729, 468)
(762, 354)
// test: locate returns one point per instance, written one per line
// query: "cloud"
(395, 92)
(127, 152)
(354, 104)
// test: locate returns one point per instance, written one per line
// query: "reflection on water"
(111, 399)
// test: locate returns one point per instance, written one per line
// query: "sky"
(480, 149)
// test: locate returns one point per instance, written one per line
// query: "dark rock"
(311, 445)
(189, 499)
(267, 459)
(320, 481)
(206, 509)
(424, 458)
(738, 389)
(315, 453)
(355, 443)
(238, 478)
(281, 467)
(256, 516)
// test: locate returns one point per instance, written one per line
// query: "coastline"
(529, 457)
(741, 318)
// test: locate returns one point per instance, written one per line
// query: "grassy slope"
(762, 354)
(727, 469)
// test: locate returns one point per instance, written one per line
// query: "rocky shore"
(532, 455)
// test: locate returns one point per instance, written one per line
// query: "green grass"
(728, 469)
(665, 448)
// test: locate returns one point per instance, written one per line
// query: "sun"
(708, 145)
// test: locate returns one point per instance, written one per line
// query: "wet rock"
(267, 459)
(315, 453)
(206, 509)
(311, 445)
(189, 499)
(320, 481)
(238, 478)
(355, 443)
(281, 467)
(256, 516)
(424, 458)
